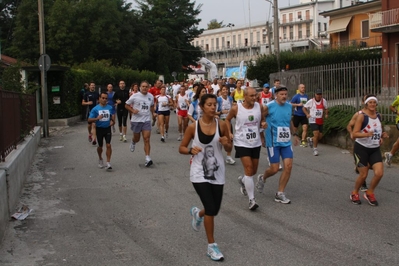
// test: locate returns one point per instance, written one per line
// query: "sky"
(237, 12)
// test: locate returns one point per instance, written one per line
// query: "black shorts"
(365, 156)
(316, 127)
(211, 197)
(296, 120)
(254, 153)
(165, 113)
(103, 133)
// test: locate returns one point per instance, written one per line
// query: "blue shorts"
(275, 153)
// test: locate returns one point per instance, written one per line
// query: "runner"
(141, 105)
(194, 111)
(369, 136)
(181, 105)
(225, 103)
(394, 107)
(103, 116)
(316, 111)
(250, 118)
(265, 95)
(111, 102)
(207, 171)
(120, 97)
(163, 102)
(90, 100)
(278, 141)
(299, 116)
(238, 93)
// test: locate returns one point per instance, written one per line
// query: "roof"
(360, 6)
(8, 61)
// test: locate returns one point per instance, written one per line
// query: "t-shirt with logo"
(143, 103)
(297, 99)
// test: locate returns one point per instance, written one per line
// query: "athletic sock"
(249, 186)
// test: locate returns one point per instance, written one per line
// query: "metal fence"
(17, 119)
(344, 84)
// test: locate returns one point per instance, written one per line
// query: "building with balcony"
(386, 22)
(349, 26)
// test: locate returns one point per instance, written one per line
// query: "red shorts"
(182, 113)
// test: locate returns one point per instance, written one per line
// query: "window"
(325, 26)
(365, 29)
(319, 27)
(222, 42)
(291, 32)
(299, 15)
(228, 44)
(307, 30)
(202, 43)
(307, 14)
(251, 39)
(290, 17)
(258, 37)
(196, 43)
(207, 47)
(234, 40)
(285, 32)
(217, 43)
(299, 31)
(284, 18)
(212, 44)
(239, 39)
(246, 42)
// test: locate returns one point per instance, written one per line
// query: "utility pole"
(43, 76)
(269, 36)
(276, 33)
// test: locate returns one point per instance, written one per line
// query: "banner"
(236, 72)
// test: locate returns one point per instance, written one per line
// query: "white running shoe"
(108, 167)
(124, 138)
(260, 184)
(310, 142)
(196, 221)
(132, 146)
(315, 152)
(242, 186)
(214, 252)
(281, 198)
(388, 158)
(101, 164)
(179, 138)
(252, 204)
(230, 160)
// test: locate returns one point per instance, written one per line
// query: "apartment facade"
(350, 25)
(386, 22)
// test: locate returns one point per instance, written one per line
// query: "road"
(134, 215)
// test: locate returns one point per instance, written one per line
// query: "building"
(386, 22)
(300, 28)
(349, 26)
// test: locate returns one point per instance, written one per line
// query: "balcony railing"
(384, 19)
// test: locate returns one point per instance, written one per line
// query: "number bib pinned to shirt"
(251, 134)
(106, 115)
(283, 134)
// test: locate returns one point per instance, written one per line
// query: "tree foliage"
(7, 13)
(156, 37)
(214, 24)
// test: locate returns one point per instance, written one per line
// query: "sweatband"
(371, 98)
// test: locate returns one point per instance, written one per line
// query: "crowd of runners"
(226, 114)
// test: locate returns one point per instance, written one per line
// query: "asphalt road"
(134, 215)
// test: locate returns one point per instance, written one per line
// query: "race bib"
(265, 101)
(106, 115)
(319, 113)
(375, 139)
(240, 101)
(283, 134)
(252, 134)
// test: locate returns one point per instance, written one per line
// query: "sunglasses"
(105, 98)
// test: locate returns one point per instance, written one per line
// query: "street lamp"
(276, 31)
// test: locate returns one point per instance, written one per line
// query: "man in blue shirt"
(103, 116)
(299, 116)
(278, 142)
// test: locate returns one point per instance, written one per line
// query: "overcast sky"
(237, 12)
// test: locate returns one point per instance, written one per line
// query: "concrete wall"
(4, 217)
(13, 173)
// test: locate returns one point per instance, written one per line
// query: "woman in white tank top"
(207, 171)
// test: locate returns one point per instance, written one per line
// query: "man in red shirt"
(156, 90)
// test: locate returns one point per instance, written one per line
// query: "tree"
(7, 13)
(170, 27)
(214, 24)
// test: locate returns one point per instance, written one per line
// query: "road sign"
(44, 62)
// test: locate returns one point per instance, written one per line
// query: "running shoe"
(242, 186)
(315, 152)
(101, 164)
(310, 142)
(94, 142)
(252, 204)
(230, 160)
(90, 138)
(355, 199)
(196, 221)
(364, 187)
(388, 158)
(132, 146)
(124, 138)
(120, 138)
(370, 199)
(303, 144)
(163, 139)
(280, 167)
(148, 163)
(281, 198)
(108, 167)
(179, 138)
(214, 252)
(260, 184)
